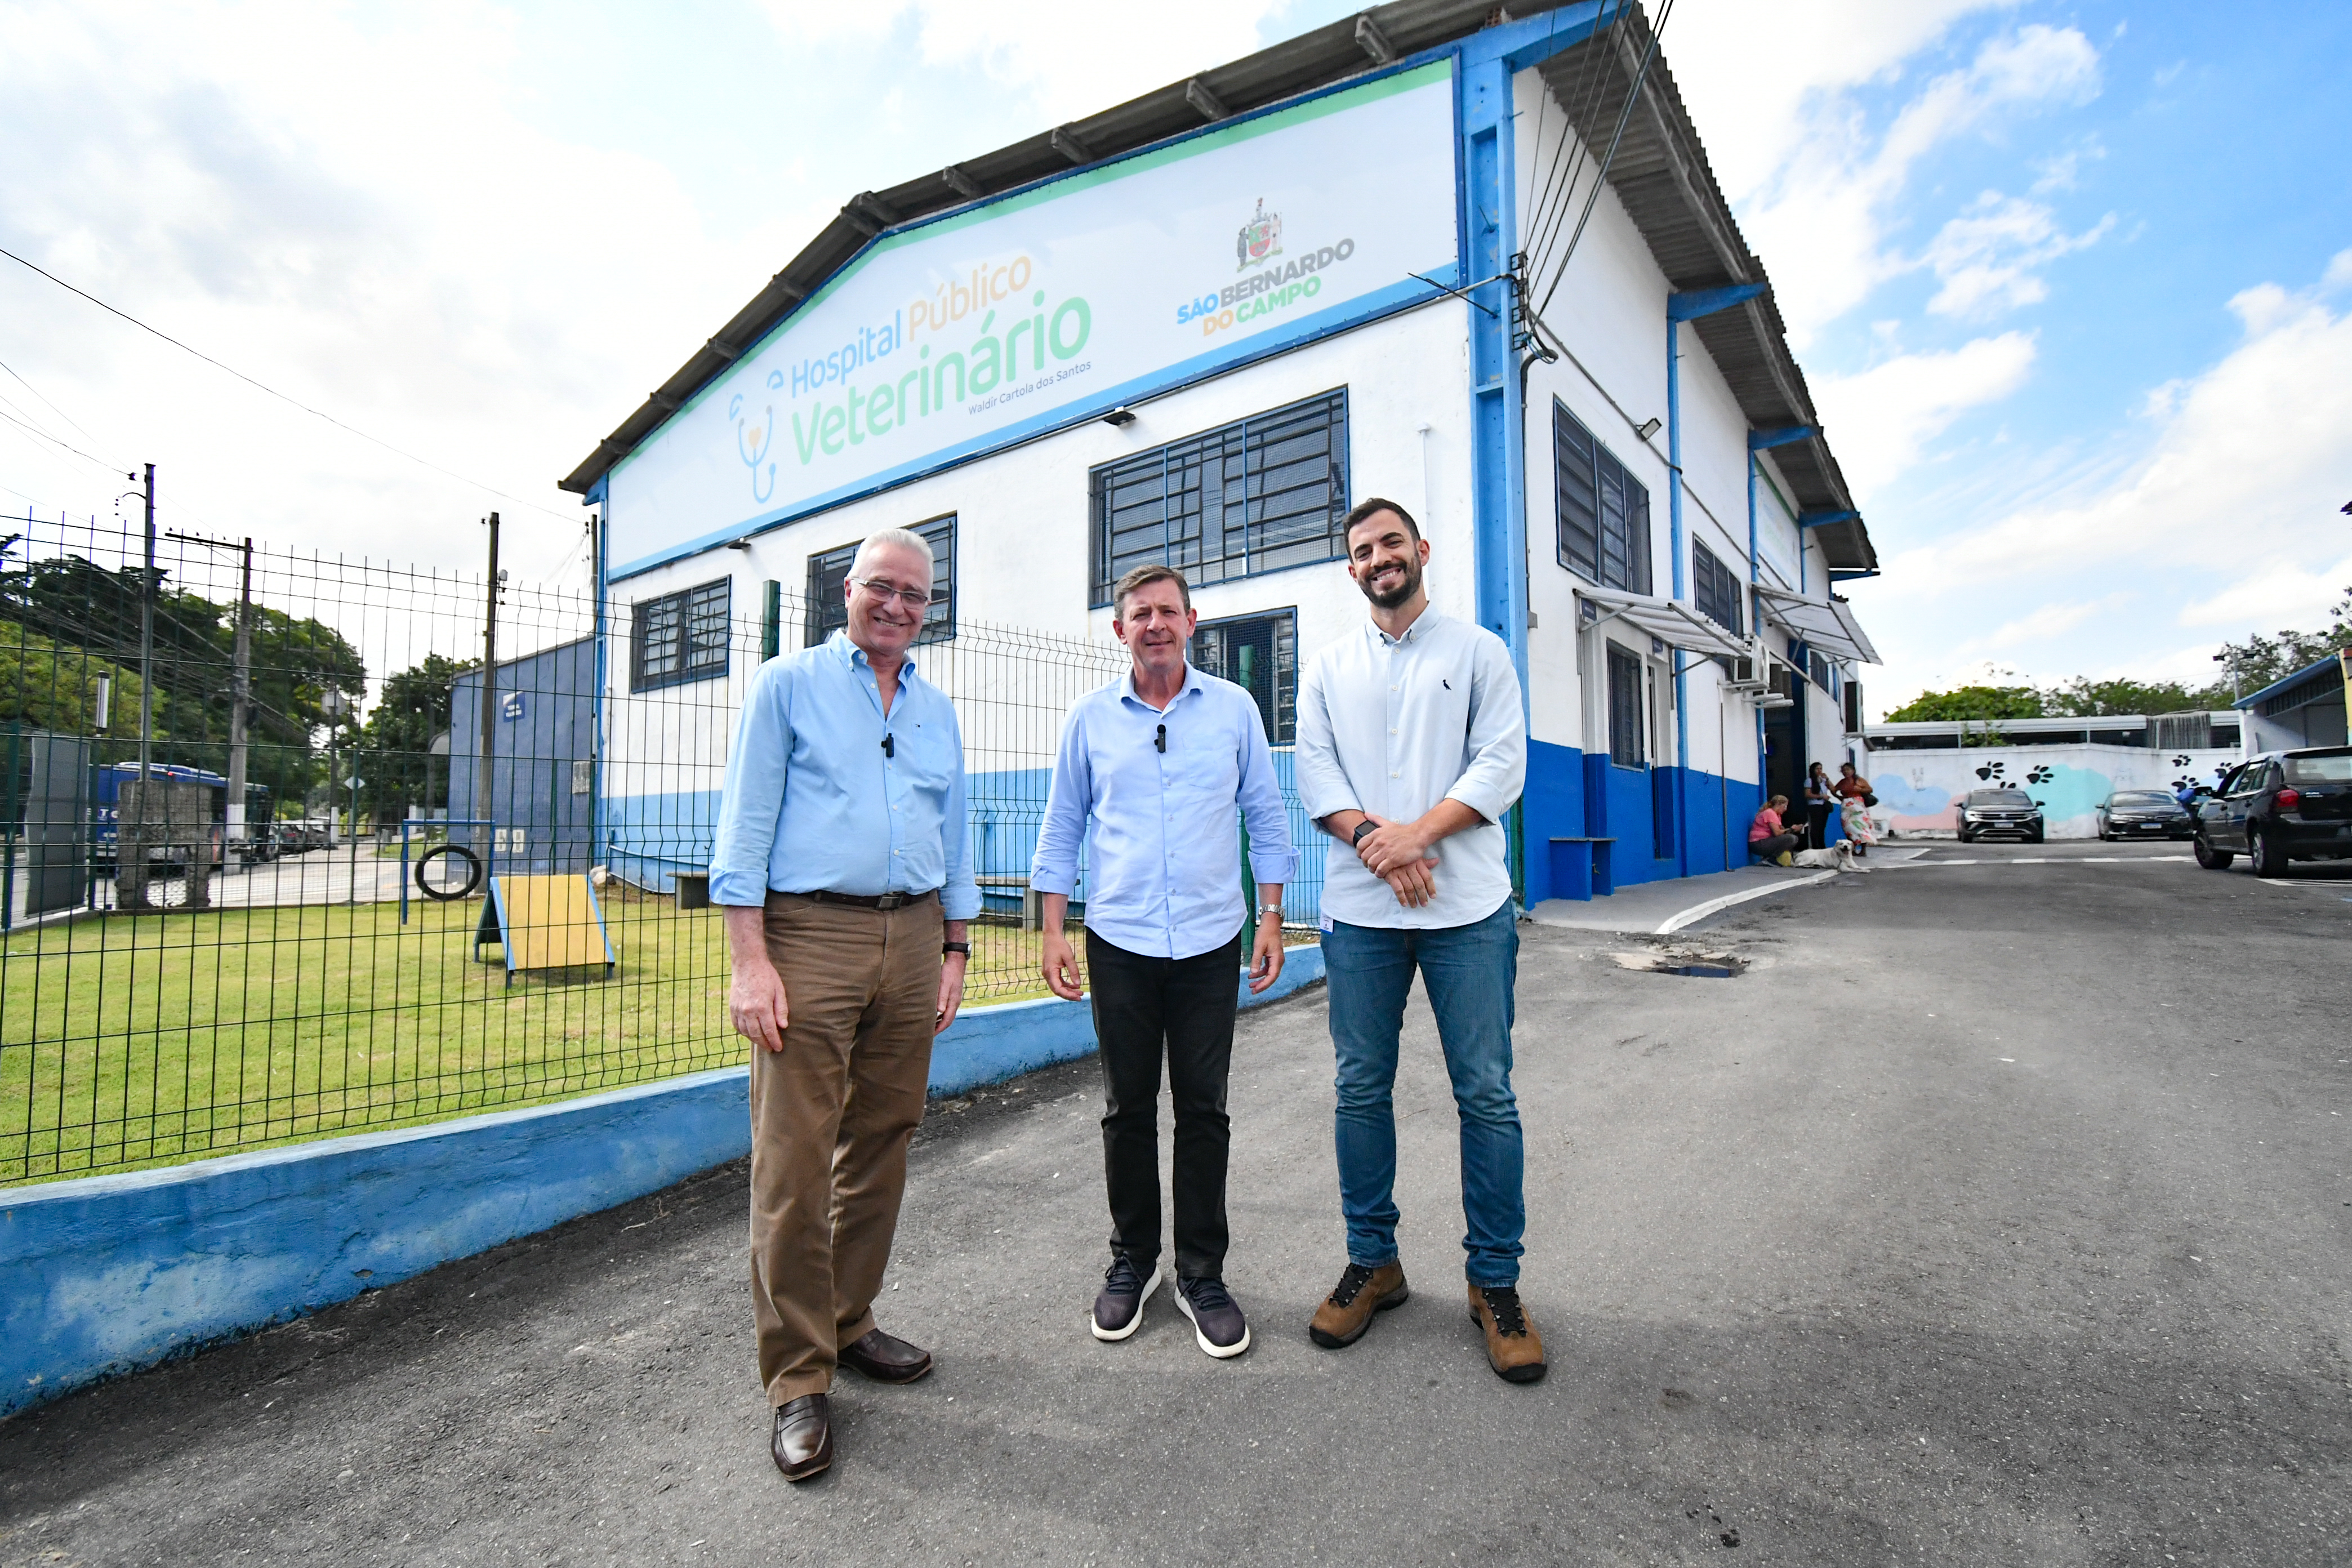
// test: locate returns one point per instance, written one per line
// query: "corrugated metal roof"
(1661, 175)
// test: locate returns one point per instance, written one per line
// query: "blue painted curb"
(104, 1274)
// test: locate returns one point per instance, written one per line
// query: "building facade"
(1200, 326)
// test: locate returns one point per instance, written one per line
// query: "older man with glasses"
(844, 867)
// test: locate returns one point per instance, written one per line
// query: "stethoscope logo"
(753, 441)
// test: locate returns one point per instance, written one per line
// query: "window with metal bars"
(1625, 726)
(1604, 511)
(679, 636)
(1266, 493)
(1260, 654)
(1714, 589)
(828, 613)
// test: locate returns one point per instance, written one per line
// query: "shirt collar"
(1411, 633)
(855, 657)
(1127, 686)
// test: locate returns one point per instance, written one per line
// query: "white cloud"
(1986, 256)
(2281, 592)
(1821, 210)
(1050, 51)
(1879, 419)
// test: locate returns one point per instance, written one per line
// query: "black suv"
(2277, 807)
(1990, 812)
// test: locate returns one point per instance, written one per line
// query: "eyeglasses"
(913, 598)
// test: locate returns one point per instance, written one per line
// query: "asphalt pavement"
(1996, 1213)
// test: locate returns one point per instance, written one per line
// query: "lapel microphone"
(887, 749)
(1160, 741)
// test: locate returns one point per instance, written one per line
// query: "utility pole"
(490, 688)
(147, 643)
(240, 684)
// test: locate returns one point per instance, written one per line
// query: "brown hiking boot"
(1347, 1311)
(1514, 1349)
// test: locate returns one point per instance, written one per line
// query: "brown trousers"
(830, 1116)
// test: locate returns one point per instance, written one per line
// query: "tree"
(411, 710)
(1966, 703)
(298, 665)
(2260, 660)
(2082, 698)
(45, 687)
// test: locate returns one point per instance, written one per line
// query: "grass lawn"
(127, 1041)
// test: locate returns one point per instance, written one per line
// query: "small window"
(1604, 513)
(1853, 706)
(679, 636)
(1714, 589)
(1260, 654)
(828, 573)
(1823, 672)
(1625, 708)
(1260, 495)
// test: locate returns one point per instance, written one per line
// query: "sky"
(2072, 283)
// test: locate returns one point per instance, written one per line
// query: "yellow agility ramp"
(549, 922)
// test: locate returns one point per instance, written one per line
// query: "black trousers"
(1181, 1008)
(1817, 825)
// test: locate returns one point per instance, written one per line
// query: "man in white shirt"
(1412, 745)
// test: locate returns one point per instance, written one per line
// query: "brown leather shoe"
(1514, 1349)
(802, 1440)
(1347, 1311)
(884, 1359)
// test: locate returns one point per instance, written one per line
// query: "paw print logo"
(2182, 783)
(2180, 761)
(2041, 775)
(1992, 770)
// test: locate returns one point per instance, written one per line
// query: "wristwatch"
(962, 947)
(1367, 826)
(1265, 909)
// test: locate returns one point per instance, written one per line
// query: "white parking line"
(2054, 860)
(1700, 911)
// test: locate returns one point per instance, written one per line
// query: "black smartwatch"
(962, 947)
(1362, 828)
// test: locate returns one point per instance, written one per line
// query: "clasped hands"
(1398, 853)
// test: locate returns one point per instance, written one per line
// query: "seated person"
(1768, 839)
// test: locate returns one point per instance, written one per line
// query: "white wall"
(1918, 791)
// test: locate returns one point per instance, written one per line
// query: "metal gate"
(47, 825)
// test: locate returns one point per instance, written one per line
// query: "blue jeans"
(1468, 972)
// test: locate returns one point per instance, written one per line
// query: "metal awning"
(1828, 625)
(1675, 624)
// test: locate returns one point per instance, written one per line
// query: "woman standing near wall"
(1817, 807)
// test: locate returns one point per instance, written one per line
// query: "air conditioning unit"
(1742, 672)
(1779, 688)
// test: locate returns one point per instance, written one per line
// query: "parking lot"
(1997, 1212)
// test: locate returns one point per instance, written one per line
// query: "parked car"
(1999, 813)
(2278, 807)
(2144, 813)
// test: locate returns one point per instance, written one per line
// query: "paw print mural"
(2041, 775)
(1992, 771)
(2180, 761)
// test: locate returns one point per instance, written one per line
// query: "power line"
(1601, 176)
(44, 435)
(51, 406)
(282, 398)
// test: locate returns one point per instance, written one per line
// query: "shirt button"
(1392, 772)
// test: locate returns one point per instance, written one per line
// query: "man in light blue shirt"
(1157, 762)
(844, 863)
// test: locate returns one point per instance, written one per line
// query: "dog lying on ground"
(1838, 857)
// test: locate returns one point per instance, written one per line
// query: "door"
(2226, 812)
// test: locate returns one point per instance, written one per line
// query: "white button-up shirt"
(1393, 725)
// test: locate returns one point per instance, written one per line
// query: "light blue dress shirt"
(813, 804)
(1163, 870)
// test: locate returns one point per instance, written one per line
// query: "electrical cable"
(282, 398)
(1624, 117)
(1544, 225)
(68, 446)
(45, 402)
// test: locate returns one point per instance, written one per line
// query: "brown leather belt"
(867, 901)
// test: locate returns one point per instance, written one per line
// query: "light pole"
(240, 684)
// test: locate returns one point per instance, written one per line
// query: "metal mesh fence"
(249, 841)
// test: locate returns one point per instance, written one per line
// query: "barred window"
(1260, 654)
(680, 636)
(827, 612)
(1604, 511)
(1714, 589)
(1625, 747)
(1267, 492)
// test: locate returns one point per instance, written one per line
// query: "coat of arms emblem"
(1260, 239)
